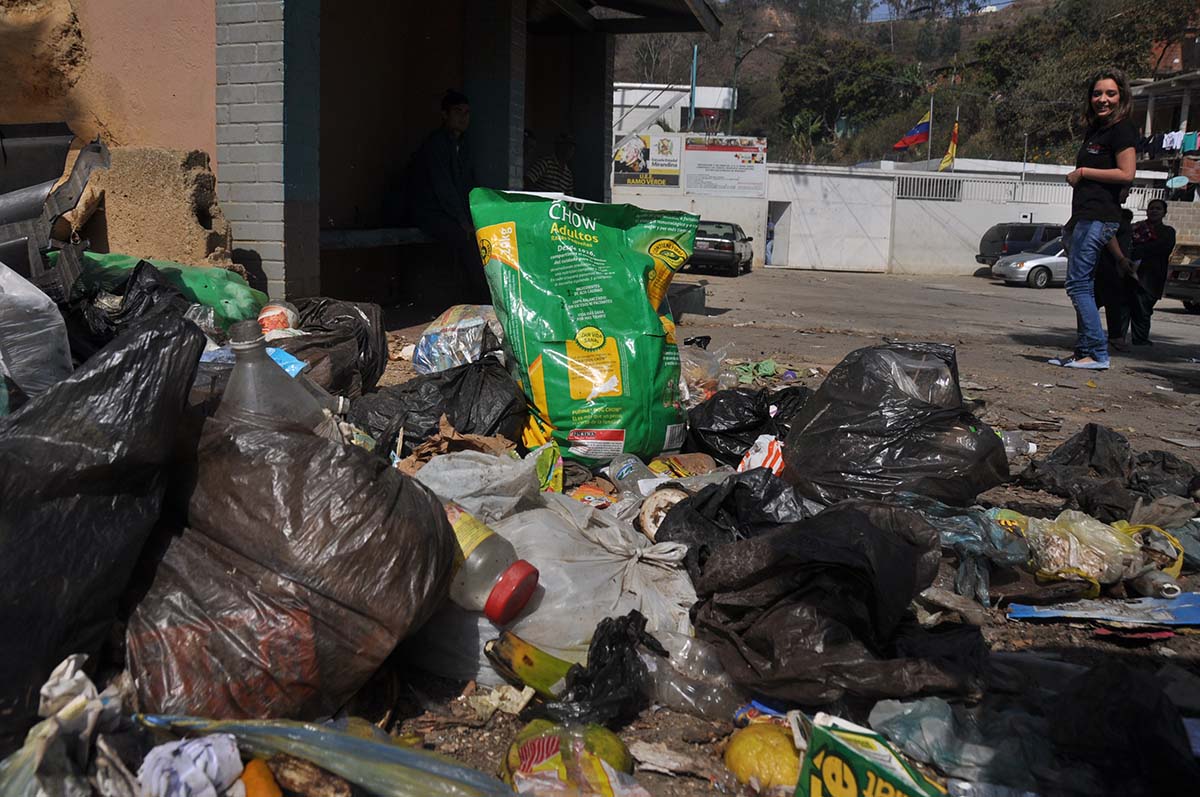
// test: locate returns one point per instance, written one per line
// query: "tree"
(832, 78)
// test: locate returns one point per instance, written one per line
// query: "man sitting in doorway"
(440, 178)
(553, 172)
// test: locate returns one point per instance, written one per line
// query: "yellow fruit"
(764, 751)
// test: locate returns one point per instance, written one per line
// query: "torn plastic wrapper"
(463, 334)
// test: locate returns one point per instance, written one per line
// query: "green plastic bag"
(580, 290)
(226, 292)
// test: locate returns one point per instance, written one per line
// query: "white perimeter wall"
(749, 214)
(943, 237)
(836, 220)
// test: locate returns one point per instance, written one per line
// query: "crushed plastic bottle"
(1015, 444)
(626, 470)
(489, 577)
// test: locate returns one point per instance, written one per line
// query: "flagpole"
(929, 149)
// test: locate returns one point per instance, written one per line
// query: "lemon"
(764, 751)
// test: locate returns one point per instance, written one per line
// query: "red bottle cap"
(512, 591)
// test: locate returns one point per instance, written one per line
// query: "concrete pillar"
(1149, 131)
(592, 113)
(268, 111)
(1186, 109)
(494, 81)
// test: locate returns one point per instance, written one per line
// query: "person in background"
(1105, 163)
(1116, 280)
(553, 172)
(441, 175)
(1153, 243)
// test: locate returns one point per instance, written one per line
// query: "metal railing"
(948, 188)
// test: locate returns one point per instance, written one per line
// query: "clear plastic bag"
(692, 680)
(34, 352)
(1075, 546)
(460, 335)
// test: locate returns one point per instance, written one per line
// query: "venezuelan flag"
(918, 135)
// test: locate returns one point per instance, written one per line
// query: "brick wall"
(255, 107)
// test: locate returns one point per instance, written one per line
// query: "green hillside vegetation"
(831, 87)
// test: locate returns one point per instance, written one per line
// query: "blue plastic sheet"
(1184, 610)
(290, 364)
(382, 769)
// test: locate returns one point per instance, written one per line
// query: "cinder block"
(270, 133)
(270, 10)
(256, 73)
(222, 75)
(238, 211)
(276, 289)
(236, 134)
(230, 54)
(269, 51)
(228, 14)
(250, 33)
(266, 231)
(249, 153)
(257, 112)
(273, 269)
(267, 251)
(270, 211)
(257, 192)
(231, 173)
(270, 172)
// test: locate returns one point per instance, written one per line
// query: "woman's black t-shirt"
(1095, 201)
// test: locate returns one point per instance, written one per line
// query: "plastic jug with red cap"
(488, 577)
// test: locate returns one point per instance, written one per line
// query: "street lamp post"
(738, 57)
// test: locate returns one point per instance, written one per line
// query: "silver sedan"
(1037, 269)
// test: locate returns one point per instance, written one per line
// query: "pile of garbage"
(218, 530)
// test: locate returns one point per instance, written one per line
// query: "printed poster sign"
(725, 166)
(649, 161)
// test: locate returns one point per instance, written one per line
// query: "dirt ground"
(807, 322)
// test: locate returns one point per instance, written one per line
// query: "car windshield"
(714, 229)
(1051, 248)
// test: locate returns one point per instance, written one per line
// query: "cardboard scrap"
(448, 440)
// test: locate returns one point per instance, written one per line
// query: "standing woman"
(1105, 164)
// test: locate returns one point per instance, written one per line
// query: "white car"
(722, 244)
(1038, 269)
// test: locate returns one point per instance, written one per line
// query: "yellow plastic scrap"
(1146, 534)
(1075, 547)
(765, 754)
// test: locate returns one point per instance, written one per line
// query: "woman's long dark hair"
(1124, 106)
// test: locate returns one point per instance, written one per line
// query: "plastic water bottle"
(259, 387)
(1015, 444)
(626, 470)
(488, 575)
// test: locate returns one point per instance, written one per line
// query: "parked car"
(1183, 283)
(724, 245)
(1036, 269)
(1014, 238)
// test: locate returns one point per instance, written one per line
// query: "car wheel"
(746, 265)
(734, 268)
(1038, 278)
(1191, 307)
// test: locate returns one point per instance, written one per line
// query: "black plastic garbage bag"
(331, 360)
(891, 419)
(612, 688)
(1098, 472)
(92, 324)
(817, 610)
(744, 505)
(727, 424)
(478, 398)
(362, 319)
(304, 562)
(83, 470)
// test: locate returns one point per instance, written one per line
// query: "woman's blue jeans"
(1087, 243)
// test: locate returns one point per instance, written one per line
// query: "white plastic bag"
(34, 352)
(591, 566)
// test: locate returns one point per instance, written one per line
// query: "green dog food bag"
(580, 289)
